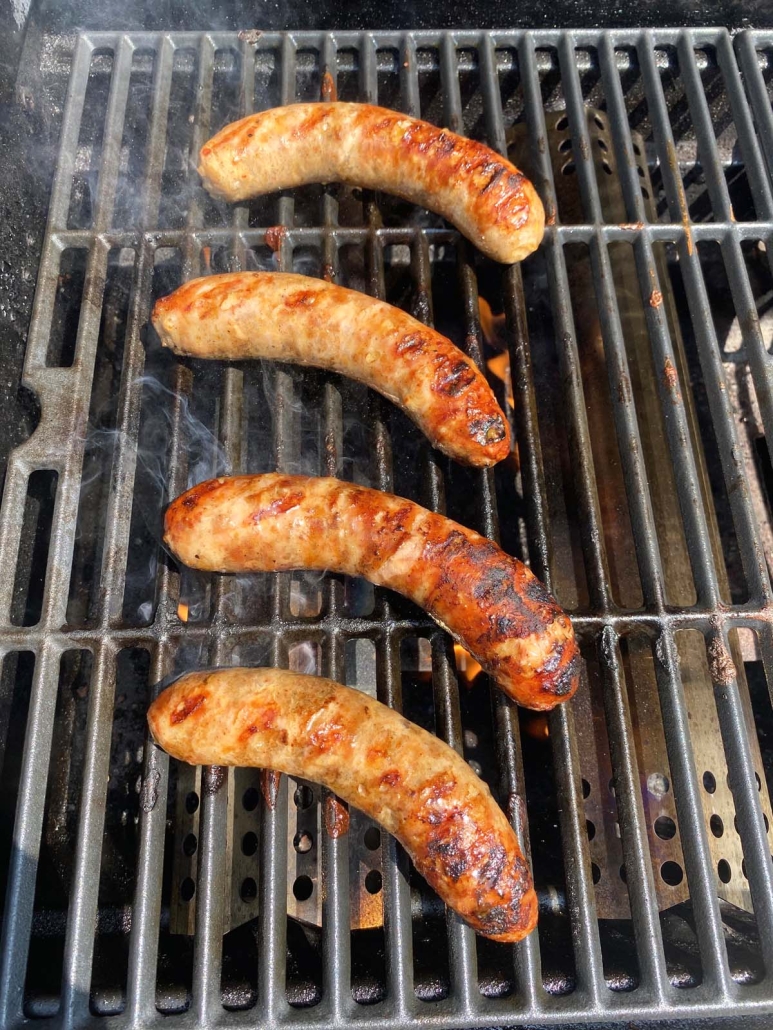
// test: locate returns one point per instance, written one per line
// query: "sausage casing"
(415, 785)
(476, 189)
(294, 318)
(490, 602)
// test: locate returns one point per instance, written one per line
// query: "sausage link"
(416, 786)
(490, 602)
(288, 317)
(481, 193)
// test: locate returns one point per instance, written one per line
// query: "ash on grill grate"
(641, 385)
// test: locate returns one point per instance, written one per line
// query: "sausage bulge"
(487, 600)
(415, 785)
(287, 317)
(486, 197)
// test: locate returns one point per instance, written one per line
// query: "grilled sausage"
(416, 786)
(311, 322)
(481, 193)
(490, 602)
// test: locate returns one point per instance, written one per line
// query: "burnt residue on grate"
(631, 353)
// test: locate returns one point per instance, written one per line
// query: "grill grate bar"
(579, 886)
(216, 825)
(753, 158)
(20, 895)
(720, 202)
(273, 824)
(694, 839)
(671, 399)
(693, 833)
(665, 232)
(398, 930)
(709, 351)
(79, 942)
(627, 426)
(758, 96)
(742, 778)
(336, 941)
(636, 852)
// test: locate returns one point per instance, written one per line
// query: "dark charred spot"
(497, 920)
(188, 707)
(451, 854)
(390, 779)
(487, 430)
(496, 584)
(444, 144)
(515, 181)
(412, 345)
(505, 625)
(451, 546)
(565, 682)
(494, 865)
(536, 591)
(496, 171)
(454, 380)
(556, 657)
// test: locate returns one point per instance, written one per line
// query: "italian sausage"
(415, 785)
(490, 602)
(476, 189)
(294, 318)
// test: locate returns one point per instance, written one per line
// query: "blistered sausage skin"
(286, 317)
(482, 194)
(490, 602)
(413, 784)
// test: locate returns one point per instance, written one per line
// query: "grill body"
(93, 616)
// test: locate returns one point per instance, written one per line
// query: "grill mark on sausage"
(300, 298)
(189, 706)
(496, 175)
(452, 379)
(278, 506)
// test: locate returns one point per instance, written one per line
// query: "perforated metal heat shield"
(137, 890)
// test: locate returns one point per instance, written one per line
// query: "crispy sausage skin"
(288, 317)
(481, 193)
(416, 786)
(490, 602)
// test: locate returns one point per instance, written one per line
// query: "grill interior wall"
(91, 621)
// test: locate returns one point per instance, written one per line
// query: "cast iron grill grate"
(93, 616)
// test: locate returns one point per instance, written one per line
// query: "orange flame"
(182, 611)
(467, 667)
(536, 725)
(492, 326)
(206, 257)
